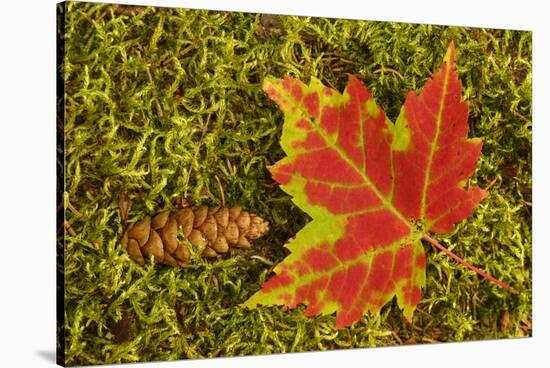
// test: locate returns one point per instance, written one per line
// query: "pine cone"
(215, 229)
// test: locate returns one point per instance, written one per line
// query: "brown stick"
(466, 264)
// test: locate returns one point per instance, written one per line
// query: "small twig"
(66, 225)
(73, 210)
(215, 282)
(70, 229)
(396, 337)
(517, 114)
(334, 56)
(490, 185)
(466, 264)
(128, 10)
(186, 50)
(88, 18)
(124, 205)
(262, 259)
(67, 204)
(432, 341)
(384, 69)
(220, 188)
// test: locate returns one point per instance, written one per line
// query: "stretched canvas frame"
(141, 126)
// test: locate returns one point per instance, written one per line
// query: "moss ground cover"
(165, 103)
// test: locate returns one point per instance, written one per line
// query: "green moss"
(165, 102)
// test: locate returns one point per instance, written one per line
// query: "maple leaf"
(373, 189)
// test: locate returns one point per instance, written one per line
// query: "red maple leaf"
(373, 189)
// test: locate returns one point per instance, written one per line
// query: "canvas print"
(236, 184)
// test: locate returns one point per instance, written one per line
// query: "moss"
(162, 103)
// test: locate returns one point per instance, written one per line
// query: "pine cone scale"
(169, 235)
(231, 232)
(222, 217)
(220, 245)
(160, 220)
(200, 215)
(169, 260)
(182, 254)
(209, 228)
(135, 252)
(140, 231)
(154, 247)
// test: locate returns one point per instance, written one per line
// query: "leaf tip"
(251, 302)
(268, 84)
(353, 80)
(483, 193)
(450, 54)
(315, 83)
(351, 76)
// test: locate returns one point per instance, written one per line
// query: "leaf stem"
(466, 264)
